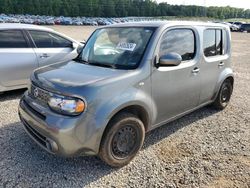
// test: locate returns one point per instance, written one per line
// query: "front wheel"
(224, 95)
(122, 140)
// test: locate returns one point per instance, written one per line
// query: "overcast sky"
(233, 3)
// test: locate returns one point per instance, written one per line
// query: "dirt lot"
(76, 32)
(207, 148)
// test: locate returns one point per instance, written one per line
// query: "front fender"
(107, 110)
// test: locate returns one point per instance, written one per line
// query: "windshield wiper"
(96, 63)
(81, 61)
(103, 65)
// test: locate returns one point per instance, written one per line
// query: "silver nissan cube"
(129, 79)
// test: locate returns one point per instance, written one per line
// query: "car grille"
(39, 94)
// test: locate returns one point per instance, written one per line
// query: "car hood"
(69, 76)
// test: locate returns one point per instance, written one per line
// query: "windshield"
(120, 48)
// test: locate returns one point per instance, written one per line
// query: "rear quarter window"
(214, 42)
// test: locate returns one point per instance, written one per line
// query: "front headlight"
(66, 105)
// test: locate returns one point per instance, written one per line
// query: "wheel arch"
(138, 111)
(229, 77)
(135, 109)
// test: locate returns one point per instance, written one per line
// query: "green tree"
(113, 8)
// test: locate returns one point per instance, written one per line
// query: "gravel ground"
(204, 149)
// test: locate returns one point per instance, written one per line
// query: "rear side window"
(181, 41)
(12, 39)
(218, 42)
(49, 40)
(214, 40)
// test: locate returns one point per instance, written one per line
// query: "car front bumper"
(57, 134)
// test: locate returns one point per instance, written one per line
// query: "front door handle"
(195, 70)
(221, 64)
(44, 56)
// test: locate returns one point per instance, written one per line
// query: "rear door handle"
(195, 70)
(44, 56)
(221, 64)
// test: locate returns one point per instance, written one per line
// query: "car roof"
(23, 26)
(168, 23)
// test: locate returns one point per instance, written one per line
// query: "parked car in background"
(24, 48)
(61, 20)
(129, 79)
(238, 23)
(233, 27)
(245, 27)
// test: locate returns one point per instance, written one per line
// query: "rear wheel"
(224, 95)
(122, 140)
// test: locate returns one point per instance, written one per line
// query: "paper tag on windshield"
(126, 46)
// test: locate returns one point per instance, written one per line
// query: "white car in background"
(24, 48)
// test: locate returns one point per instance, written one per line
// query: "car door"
(52, 48)
(176, 89)
(215, 57)
(17, 58)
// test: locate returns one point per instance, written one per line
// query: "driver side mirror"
(170, 59)
(74, 45)
(77, 47)
(83, 42)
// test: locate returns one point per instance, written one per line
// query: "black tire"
(122, 140)
(224, 95)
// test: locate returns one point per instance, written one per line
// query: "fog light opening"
(51, 145)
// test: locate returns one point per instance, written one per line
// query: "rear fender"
(226, 73)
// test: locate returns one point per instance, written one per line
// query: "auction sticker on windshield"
(126, 46)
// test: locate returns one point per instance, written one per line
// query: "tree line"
(116, 8)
